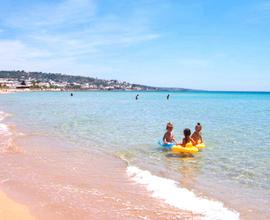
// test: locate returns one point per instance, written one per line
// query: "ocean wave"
(4, 129)
(6, 136)
(3, 115)
(182, 198)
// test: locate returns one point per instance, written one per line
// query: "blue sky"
(203, 44)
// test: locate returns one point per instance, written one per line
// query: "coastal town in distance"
(39, 81)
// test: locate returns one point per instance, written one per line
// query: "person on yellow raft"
(197, 136)
(187, 139)
(187, 144)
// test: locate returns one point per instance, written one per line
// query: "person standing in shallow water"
(71, 94)
(168, 96)
(137, 97)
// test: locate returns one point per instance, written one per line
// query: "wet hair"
(187, 132)
(198, 126)
(169, 125)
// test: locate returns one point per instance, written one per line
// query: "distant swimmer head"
(198, 127)
(169, 126)
(187, 132)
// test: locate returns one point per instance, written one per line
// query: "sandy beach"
(134, 110)
(4, 91)
(78, 186)
(11, 210)
(62, 160)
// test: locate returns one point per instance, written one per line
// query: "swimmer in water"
(168, 136)
(197, 136)
(187, 139)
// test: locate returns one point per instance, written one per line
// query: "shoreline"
(12, 210)
(108, 192)
(191, 188)
(163, 203)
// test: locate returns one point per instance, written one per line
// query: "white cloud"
(17, 51)
(48, 15)
(68, 36)
(15, 55)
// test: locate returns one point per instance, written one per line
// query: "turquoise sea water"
(234, 168)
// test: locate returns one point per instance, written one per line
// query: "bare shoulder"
(166, 133)
(183, 141)
(194, 135)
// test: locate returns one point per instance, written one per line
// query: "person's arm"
(201, 138)
(164, 138)
(183, 142)
(193, 142)
(174, 139)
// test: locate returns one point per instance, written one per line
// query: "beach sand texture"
(11, 210)
(67, 163)
(69, 184)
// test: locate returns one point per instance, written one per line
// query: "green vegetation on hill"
(74, 82)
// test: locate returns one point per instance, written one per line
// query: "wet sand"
(57, 181)
(11, 210)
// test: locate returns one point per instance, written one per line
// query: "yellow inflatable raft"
(187, 149)
(200, 146)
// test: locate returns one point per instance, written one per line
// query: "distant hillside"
(62, 80)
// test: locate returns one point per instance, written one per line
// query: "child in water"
(187, 139)
(168, 136)
(196, 136)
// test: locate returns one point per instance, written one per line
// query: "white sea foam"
(4, 130)
(6, 140)
(182, 198)
(3, 115)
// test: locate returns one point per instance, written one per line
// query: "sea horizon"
(89, 130)
(134, 110)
